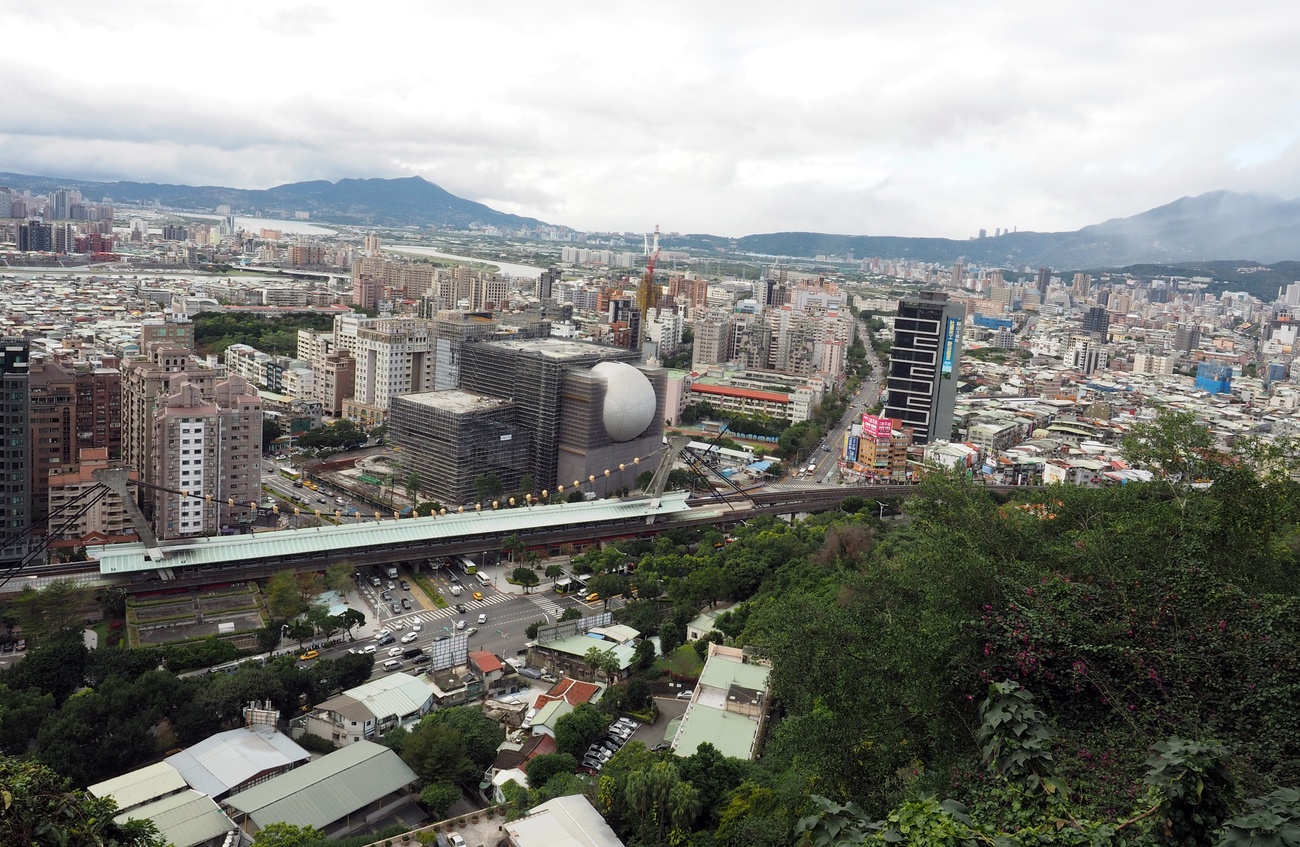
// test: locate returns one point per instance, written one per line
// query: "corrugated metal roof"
(125, 558)
(226, 760)
(184, 819)
(397, 694)
(563, 822)
(321, 792)
(140, 786)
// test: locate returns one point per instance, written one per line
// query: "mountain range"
(1220, 225)
(409, 201)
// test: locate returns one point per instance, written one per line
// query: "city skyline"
(729, 119)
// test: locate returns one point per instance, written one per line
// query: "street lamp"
(882, 509)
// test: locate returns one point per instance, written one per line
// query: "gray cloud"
(728, 117)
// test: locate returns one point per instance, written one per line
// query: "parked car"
(531, 673)
(409, 637)
(455, 839)
(628, 722)
(548, 677)
(662, 745)
(686, 695)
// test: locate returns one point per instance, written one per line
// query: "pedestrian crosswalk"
(547, 605)
(430, 615)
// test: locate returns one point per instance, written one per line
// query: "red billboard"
(874, 427)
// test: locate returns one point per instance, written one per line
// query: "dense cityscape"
(337, 534)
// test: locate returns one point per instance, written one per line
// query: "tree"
(597, 659)
(436, 753)
(638, 690)
(671, 636)
(283, 598)
(413, 486)
(350, 619)
(338, 578)
(540, 769)
(512, 546)
(553, 573)
(41, 808)
(645, 654)
(527, 577)
(301, 631)
(569, 614)
(58, 608)
(575, 731)
(664, 804)
(480, 735)
(488, 486)
(438, 799)
(271, 430)
(280, 834)
(57, 667)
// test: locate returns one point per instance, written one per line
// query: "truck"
(455, 591)
(392, 571)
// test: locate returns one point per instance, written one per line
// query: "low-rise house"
(339, 794)
(562, 822)
(232, 761)
(369, 710)
(729, 707)
(158, 793)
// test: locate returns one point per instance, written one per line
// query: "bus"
(467, 565)
(289, 473)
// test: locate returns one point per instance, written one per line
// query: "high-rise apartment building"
(1097, 320)
(546, 284)
(394, 356)
(712, 340)
(1187, 337)
(15, 450)
(1044, 279)
(35, 237)
(1082, 285)
(99, 408)
(924, 363)
(52, 427)
(208, 453)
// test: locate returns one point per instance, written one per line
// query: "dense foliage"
(215, 331)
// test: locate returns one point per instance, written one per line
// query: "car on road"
(406, 602)
(387, 639)
(482, 618)
(478, 595)
(321, 500)
(406, 586)
(369, 648)
(417, 627)
(462, 608)
(443, 637)
(471, 630)
(385, 596)
(383, 632)
(421, 659)
(396, 651)
(460, 624)
(309, 655)
(397, 610)
(392, 585)
(593, 597)
(409, 637)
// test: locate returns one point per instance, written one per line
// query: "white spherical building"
(629, 400)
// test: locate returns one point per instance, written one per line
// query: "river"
(508, 268)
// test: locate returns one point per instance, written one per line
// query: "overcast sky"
(921, 118)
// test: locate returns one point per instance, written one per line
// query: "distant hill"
(410, 201)
(1220, 225)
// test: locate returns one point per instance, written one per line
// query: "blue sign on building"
(992, 322)
(851, 455)
(1214, 377)
(950, 344)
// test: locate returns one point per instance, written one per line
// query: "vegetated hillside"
(408, 201)
(215, 331)
(1097, 625)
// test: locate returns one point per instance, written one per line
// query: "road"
(508, 614)
(828, 464)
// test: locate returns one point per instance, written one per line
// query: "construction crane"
(648, 293)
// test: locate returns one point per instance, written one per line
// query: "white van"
(392, 665)
(483, 578)
(455, 591)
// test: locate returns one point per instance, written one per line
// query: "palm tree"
(554, 572)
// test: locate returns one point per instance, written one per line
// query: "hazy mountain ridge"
(1219, 225)
(409, 201)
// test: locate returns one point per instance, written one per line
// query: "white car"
(482, 618)
(382, 633)
(396, 651)
(417, 627)
(455, 840)
(369, 648)
(460, 624)
(686, 695)
(409, 637)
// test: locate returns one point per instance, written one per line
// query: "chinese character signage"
(950, 344)
(874, 427)
(851, 455)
